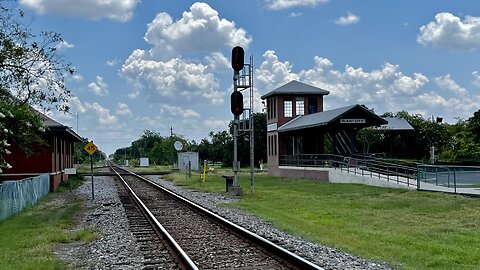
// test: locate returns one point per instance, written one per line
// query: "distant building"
(53, 158)
(297, 126)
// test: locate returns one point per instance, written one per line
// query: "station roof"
(296, 88)
(334, 117)
(58, 128)
(396, 123)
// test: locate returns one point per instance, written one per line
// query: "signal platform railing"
(454, 179)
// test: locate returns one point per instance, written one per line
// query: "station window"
(274, 112)
(287, 107)
(275, 145)
(269, 145)
(312, 105)
(272, 108)
(299, 106)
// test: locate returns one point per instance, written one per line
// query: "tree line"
(216, 148)
(459, 142)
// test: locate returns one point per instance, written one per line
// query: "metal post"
(252, 152)
(91, 169)
(396, 171)
(448, 177)
(252, 126)
(235, 161)
(454, 181)
(418, 177)
(388, 174)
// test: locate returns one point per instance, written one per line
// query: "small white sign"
(272, 127)
(352, 121)
(70, 171)
(144, 162)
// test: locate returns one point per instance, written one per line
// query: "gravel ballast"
(116, 247)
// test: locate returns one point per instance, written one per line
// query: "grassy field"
(149, 169)
(407, 229)
(28, 237)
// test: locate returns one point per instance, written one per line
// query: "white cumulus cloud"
(215, 124)
(175, 78)
(167, 71)
(272, 72)
(99, 87)
(217, 62)
(63, 45)
(285, 4)
(119, 10)
(348, 19)
(176, 111)
(476, 78)
(123, 109)
(199, 30)
(450, 32)
(134, 94)
(101, 114)
(446, 82)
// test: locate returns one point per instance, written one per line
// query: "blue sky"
(161, 64)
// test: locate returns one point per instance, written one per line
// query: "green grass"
(407, 229)
(74, 181)
(214, 181)
(151, 168)
(28, 237)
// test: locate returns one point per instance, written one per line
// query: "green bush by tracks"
(28, 237)
(407, 229)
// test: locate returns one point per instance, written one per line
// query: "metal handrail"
(363, 165)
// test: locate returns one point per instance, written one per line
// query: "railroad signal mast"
(242, 80)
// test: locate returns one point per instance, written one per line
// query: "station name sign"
(352, 121)
(272, 127)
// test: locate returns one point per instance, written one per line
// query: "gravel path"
(116, 247)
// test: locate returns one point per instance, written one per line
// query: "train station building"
(52, 158)
(298, 127)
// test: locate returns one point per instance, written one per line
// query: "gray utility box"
(188, 160)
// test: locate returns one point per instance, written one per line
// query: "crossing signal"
(236, 102)
(237, 58)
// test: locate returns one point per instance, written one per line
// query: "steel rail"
(284, 253)
(187, 261)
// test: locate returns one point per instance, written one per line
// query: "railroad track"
(199, 238)
(156, 252)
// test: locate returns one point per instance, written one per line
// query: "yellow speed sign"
(90, 148)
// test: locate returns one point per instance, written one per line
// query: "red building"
(297, 127)
(52, 158)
